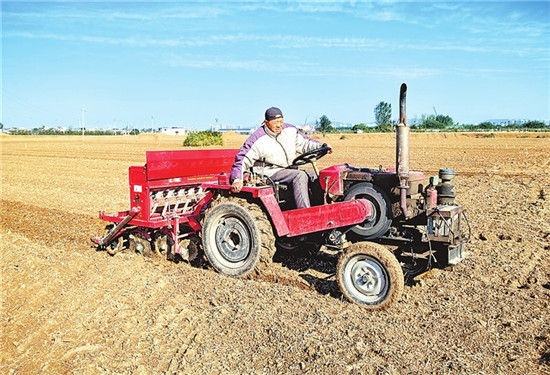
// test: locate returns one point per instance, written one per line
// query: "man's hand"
(236, 186)
(330, 148)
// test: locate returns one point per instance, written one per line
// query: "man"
(277, 143)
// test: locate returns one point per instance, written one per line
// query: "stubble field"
(66, 308)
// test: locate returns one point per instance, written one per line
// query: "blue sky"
(191, 64)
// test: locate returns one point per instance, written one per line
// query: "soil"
(69, 309)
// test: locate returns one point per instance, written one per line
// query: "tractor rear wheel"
(369, 275)
(237, 236)
(381, 222)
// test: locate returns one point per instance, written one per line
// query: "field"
(66, 308)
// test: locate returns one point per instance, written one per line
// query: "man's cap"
(273, 113)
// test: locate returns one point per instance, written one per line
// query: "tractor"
(385, 224)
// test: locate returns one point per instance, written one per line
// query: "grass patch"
(204, 138)
(490, 135)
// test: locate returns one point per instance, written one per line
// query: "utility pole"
(82, 123)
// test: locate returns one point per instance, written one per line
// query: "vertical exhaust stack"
(402, 150)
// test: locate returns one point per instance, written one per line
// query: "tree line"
(436, 122)
(382, 115)
(54, 131)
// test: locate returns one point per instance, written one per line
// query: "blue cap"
(273, 113)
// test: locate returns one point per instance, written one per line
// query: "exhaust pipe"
(402, 150)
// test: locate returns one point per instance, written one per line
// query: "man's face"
(276, 126)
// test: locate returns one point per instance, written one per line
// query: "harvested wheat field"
(67, 308)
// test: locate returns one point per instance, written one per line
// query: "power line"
(29, 106)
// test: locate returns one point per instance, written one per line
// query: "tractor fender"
(266, 198)
(305, 220)
(317, 218)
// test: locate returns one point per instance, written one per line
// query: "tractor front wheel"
(369, 275)
(237, 236)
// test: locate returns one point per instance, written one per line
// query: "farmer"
(277, 143)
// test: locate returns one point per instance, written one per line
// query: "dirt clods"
(68, 309)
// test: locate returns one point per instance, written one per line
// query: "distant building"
(505, 122)
(232, 128)
(173, 131)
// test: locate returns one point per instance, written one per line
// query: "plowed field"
(66, 308)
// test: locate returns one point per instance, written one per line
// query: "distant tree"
(486, 125)
(446, 120)
(534, 125)
(1, 126)
(362, 127)
(429, 122)
(387, 128)
(134, 132)
(324, 125)
(435, 122)
(382, 114)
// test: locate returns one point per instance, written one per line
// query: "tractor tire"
(237, 237)
(377, 227)
(370, 275)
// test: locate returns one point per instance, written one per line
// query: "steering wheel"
(311, 156)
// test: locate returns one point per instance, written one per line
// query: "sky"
(195, 64)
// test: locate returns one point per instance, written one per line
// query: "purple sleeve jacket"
(279, 150)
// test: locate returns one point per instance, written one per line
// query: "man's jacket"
(279, 150)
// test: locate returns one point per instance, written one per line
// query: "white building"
(505, 122)
(173, 131)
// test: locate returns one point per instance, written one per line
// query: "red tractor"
(383, 223)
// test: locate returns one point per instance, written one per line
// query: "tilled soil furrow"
(48, 225)
(69, 309)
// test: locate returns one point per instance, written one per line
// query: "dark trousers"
(302, 181)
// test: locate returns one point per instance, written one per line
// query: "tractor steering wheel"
(311, 156)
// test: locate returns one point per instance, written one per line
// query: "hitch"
(102, 241)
